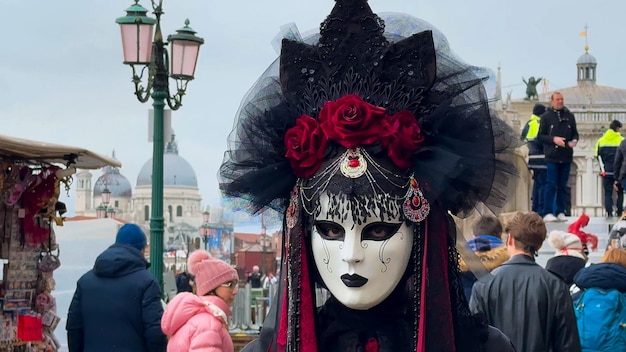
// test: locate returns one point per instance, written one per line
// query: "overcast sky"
(62, 79)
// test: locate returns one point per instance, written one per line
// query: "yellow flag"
(583, 34)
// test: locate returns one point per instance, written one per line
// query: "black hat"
(615, 124)
(539, 109)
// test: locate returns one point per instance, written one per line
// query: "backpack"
(601, 320)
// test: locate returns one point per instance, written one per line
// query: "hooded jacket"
(490, 259)
(116, 306)
(606, 148)
(197, 324)
(536, 159)
(602, 275)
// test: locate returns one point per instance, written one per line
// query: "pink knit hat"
(210, 272)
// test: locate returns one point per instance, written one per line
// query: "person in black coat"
(117, 304)
(559, 135)
(184, 282)
(529, 304)
(568, 258)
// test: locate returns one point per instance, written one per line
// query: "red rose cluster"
(351, 122)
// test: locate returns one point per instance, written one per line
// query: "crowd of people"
(552, 135)
(570, 305)
(117, 305)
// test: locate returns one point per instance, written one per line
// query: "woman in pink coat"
(199, 323)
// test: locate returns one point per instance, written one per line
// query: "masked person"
(365, 137)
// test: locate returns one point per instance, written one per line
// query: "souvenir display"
(29, 208)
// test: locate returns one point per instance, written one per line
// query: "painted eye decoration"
(379, 231)
(330, 230)
(376, 231)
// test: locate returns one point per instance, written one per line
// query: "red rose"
(305, 144)
(405, 139)
(351, 122)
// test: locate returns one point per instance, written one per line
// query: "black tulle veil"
(464, 164)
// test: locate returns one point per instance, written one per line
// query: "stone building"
(181, 196)
(594, 106)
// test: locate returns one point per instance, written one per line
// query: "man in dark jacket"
(117, 304)
(558, 133)
(184, 282)
(536, 159)
(606, 148)
(489, 249)
(529, 304)
(619, 166)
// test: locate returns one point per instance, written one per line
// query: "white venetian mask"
(360, 264)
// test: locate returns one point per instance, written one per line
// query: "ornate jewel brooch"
(353, 164)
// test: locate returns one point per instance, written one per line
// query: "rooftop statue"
(531, 88)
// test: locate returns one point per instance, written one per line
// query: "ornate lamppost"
(205, 228)
(144, 54)
(103, 208)
(265, 242)
(101, 211)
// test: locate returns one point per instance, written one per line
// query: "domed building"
(181, 196)
(89, 198)
(588, 96)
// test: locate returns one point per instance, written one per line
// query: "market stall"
(32, 176)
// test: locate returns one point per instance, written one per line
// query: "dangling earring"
(416, 208)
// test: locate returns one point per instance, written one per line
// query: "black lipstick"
(353, 280)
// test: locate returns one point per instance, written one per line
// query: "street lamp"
(206, 216)
(204, 232)
(101, 211)
(106, 198)
(141, 52)
(205, 229)
(265, 242)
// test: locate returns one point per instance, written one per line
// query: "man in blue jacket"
(117, 304)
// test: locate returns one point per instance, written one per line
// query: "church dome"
(117, 184)
(177, 172)
(586, 58)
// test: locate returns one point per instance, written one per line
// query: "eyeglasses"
(230, 284)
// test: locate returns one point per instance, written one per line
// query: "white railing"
(599, 117)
